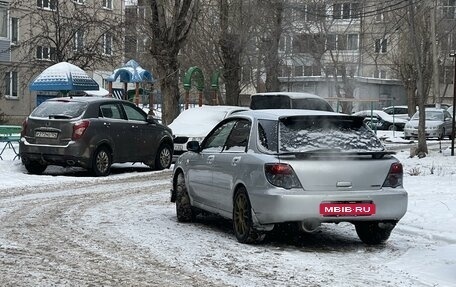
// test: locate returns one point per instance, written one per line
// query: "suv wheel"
(101, 162)
(164, 157)
(373, 233)
(35, 167)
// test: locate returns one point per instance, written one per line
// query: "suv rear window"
(262, 102)
(311, 133)
(59, 109)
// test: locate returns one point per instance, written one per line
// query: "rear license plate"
(50, 135)
(347, 209)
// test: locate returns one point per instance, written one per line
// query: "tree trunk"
(169, 79)
(272, 61)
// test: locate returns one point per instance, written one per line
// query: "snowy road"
(48, 239)
(122, 231)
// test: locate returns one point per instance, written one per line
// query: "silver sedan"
(266, 167)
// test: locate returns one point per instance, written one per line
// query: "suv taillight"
(79, 128)
(281, 175)
(395, 174)
(24, 127)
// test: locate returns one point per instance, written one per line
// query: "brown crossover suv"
(92, 133)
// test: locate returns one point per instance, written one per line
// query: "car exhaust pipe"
(309, 226)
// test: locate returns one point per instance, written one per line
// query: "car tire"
(35, 167)
(373, 233)
(101, 162)
(242, 219)
(184, 210)
(164, 157)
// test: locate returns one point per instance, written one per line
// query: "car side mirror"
(193, 146)
(152, 119)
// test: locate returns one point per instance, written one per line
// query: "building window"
(130, 44)
(352, 41)
(346, 10)
(342, 42)
(298, 71)
(380, 74)
(46, 4)
(15, 30)
(10, 83)
(107, 4)
(315, 12)
(331, 40)
(449, 9)
(45, 53)
(285, 44)
(78, 40)
(381, 45)
(107, 44)
(3, 22)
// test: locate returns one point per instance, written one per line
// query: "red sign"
(347, 209)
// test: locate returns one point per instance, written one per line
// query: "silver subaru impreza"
(266, 167)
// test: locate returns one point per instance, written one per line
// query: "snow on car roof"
(199, 121)
(274, 114)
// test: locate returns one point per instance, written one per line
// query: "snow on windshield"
(304, 134)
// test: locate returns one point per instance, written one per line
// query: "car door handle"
(210, 159)
(235, 160)
(107, 124)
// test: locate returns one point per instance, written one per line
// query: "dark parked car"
(299, 167)
(379, 120)
(92, 133)
(289, 100)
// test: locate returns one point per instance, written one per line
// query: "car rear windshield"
(313, 133)
(59, 109)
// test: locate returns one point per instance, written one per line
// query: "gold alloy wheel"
(241, 214)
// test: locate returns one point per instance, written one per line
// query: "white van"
(289, 100)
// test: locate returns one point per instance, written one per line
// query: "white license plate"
(50, 135)
(178, 147)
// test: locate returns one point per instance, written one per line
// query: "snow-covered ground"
(420, 252)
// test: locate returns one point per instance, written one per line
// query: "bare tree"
(270, 31)
(419, 26)
(85, 35)
(170, 24)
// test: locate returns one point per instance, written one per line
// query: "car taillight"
(281, 175)
(24, 127)
(79, 128)
(395, 174)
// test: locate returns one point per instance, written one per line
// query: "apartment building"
(36, 34)
(340, 50)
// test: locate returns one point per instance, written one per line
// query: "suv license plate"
(51, 135)
(347, 209)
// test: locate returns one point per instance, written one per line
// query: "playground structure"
(196, 74)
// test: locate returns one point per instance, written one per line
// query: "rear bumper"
(72, 154)
(284, 206)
